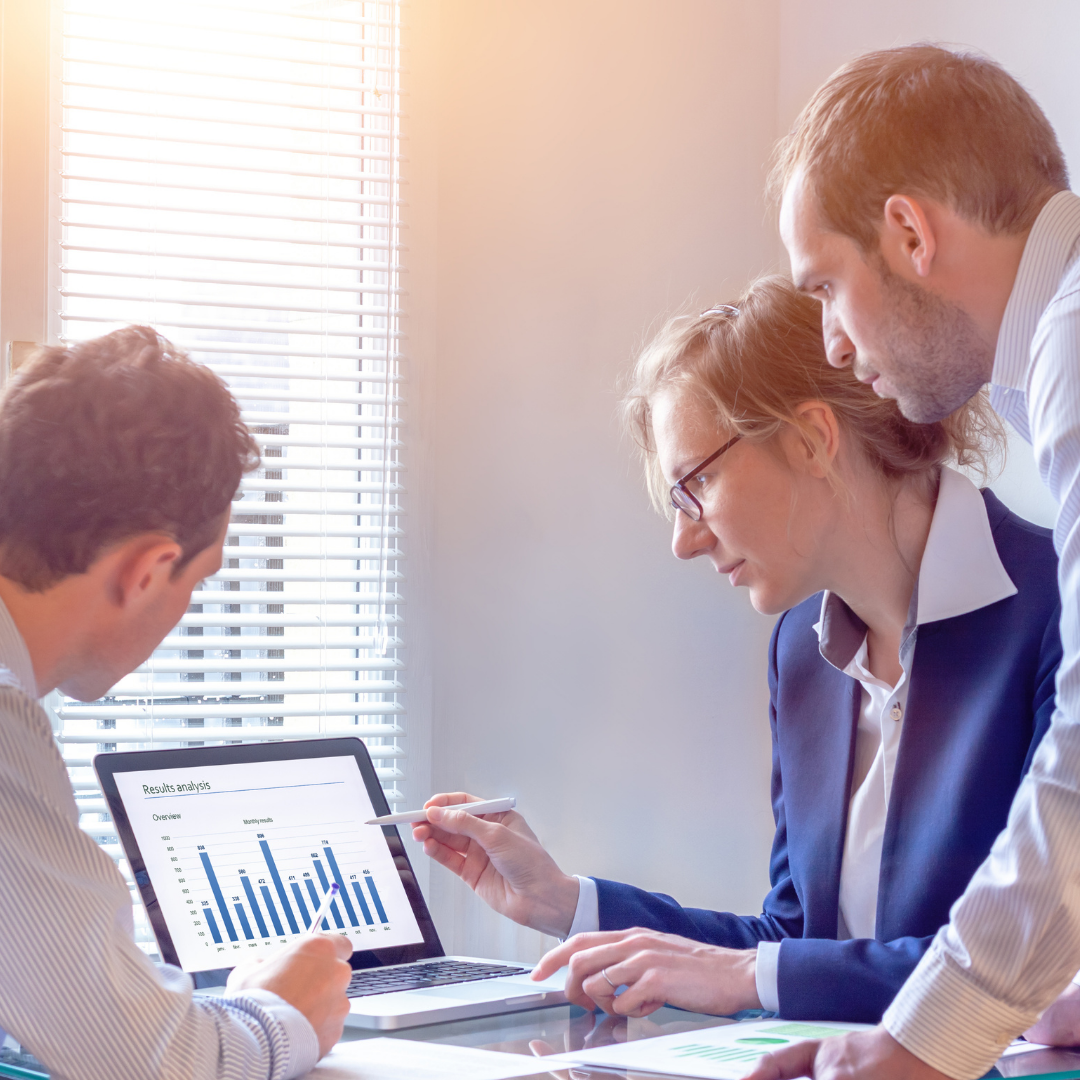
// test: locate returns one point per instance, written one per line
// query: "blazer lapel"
(817, 737)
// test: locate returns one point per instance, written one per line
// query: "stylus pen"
(324, 907)
(491, 806)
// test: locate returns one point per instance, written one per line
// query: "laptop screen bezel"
(107, 765)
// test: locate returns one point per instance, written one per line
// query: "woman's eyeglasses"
(681, 499)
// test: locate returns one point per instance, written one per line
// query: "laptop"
(234, 847)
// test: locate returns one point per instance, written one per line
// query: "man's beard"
(937, 358)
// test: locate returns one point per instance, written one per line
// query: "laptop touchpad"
(485, 990)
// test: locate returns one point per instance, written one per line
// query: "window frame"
(30, 155)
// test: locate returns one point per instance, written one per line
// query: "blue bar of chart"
(254, 906)
(325, 889)
(315, 901)
(215, 888)
(268, 901)
(370, 881)
(299, 896)
(362, 902)
(275, 877)
(243, 921)
(208, 914)
(343, 893)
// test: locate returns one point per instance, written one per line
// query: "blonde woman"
(911, 675)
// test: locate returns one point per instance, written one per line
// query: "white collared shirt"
(1013, 939)
(15, 656)
(960, 572)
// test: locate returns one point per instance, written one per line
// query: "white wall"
(578, 170)
(24, 161)
(597, 165)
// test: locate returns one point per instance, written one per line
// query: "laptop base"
(459, 1001)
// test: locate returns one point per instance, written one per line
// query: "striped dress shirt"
(75, 990)
(1013, 942)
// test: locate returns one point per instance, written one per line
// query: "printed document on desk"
(719, 1053)
(403, 1059)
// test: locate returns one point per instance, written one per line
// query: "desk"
(569, 1028)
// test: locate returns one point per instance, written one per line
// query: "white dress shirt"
(75, 989)
(877, 741)
(960, 572)
(1013, 941)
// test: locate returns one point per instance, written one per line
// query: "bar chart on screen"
(241, 857)
(261, 885)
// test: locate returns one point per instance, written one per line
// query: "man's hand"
(311, 975)
(867, 1055)
(656, 969)
(500, 859)
(1060, 1024)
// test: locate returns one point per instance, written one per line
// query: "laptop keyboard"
(422, 976)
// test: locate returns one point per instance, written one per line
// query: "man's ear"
(144, 564)
(818, 440)
(908, 240)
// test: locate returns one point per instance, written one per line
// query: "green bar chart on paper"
(726, 1052)
(748, 1049)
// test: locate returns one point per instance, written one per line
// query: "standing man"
(119, 459)
(925, 203)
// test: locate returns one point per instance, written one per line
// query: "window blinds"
(229, 174)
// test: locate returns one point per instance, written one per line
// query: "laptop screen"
(240, 854)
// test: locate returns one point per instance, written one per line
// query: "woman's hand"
(656, 969)
(500, 859)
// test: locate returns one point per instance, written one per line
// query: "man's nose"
(690, 538)
(839, 348)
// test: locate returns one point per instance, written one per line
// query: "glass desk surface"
(555, 1031)
(564, 1028)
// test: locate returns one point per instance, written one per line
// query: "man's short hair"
(921, 120)
(109, 439)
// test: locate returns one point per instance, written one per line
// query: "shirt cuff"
(948, 1023)
(766, 973)
(301, 1042)
(587, 912)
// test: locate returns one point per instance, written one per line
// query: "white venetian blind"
(229, 174)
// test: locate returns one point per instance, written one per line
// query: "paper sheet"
(1022, 1046)
(402, 1059)
(718, 1053)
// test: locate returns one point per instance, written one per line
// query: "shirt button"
(896, 712)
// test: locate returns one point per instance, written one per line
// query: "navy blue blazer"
(981, 698)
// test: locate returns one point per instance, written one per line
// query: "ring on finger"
(603, 971)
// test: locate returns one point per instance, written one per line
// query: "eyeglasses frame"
(681, 482)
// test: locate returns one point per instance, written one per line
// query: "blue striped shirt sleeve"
(1013, 940)
(75, 989)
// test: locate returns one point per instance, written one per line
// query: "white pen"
(324, 907)
(491, 806)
